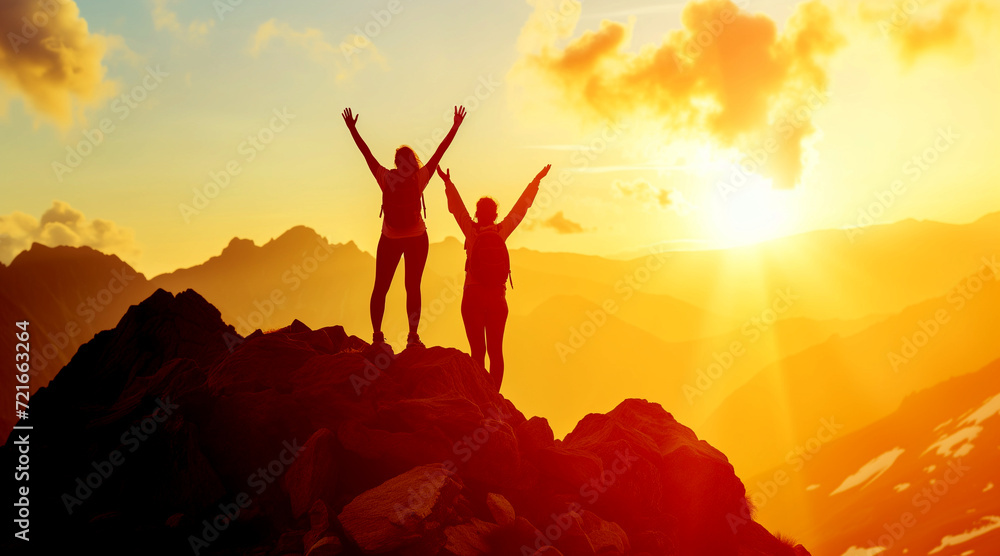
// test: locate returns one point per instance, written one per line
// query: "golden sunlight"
(749, 214)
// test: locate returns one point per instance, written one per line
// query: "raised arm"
(522, 205)
(455, 204)
(352, 124)
(436, 157)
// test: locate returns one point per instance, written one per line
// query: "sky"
(159, 130)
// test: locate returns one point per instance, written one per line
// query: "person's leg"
(496, 321)
(475, 326)
(386, 261)
(415, 258)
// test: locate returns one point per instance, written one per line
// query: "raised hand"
(446, 176)
(459, 115)
(542, 174)
(350, 119)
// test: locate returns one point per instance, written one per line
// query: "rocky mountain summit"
(172, 434)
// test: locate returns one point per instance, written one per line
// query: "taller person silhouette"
(404, 233)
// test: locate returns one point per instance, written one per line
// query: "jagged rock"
(470, 539)
(402, 510)
(327, 546)
(568, 465)
(491, 453)
(605, 537)
(500, 508)
(289, 543)
(319, 523)
(524, 534)
(655, 469)
(313, 475)
(571, 538)
(534, 434)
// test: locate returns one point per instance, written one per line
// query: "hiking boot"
(413, 341)
(378, 350)
(378, 340)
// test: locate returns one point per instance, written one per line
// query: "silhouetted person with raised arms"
(404, 233)
(487, 269)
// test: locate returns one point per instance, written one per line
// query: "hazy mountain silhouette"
(318, 282)
(882, 271)
(568, 359)
(961, 416)
(156, 428)
(66, 295)
(854, 379)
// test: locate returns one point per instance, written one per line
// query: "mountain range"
(781, 337)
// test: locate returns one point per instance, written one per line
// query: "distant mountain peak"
(296, 235)
(39, 252)
(52, 260)
(239, 246)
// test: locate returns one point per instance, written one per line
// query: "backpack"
(401, 201)
(489, 261)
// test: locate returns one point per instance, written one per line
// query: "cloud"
(61, 224)
(551, 19)
(643, 192)
(166, 19)
(727, 76)
(352, 55)
(49, 57)
(931, 26)
(562, 225)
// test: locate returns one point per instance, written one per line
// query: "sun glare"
(751, 213)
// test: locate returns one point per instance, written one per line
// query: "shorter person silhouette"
(487, 269)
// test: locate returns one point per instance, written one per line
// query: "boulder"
(470, 539)
(327, 546)
(319, 523)
(407, 509)
(500, 509)
(313, 475)
(605, 537)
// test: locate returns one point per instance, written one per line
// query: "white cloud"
(61, 224)
(165, 18)
(344, 60)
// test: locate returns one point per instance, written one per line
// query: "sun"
(751, 213)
